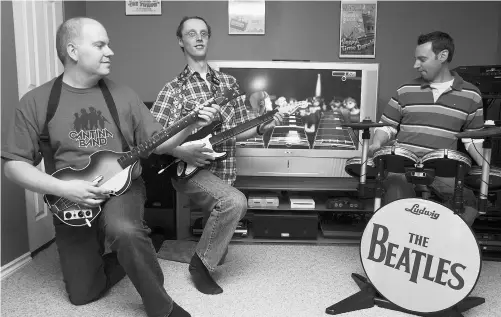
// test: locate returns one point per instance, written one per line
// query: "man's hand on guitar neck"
(193, 154)
(278, 118)
(205, 117)
(263, 128)
(85, 193)
(207, 114)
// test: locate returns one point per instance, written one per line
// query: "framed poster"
(143, 7)
(246, 16)
(357, 32)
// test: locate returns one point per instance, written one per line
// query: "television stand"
(319, 188)
(288, 183)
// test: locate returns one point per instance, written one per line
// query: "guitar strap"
(44, 141)
(53, 103)
(108, 98)
(214, 89)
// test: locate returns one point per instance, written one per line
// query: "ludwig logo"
(423, 211)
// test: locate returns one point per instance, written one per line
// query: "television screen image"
(331, 97)
(323, 95)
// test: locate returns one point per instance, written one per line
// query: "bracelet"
(257, 130)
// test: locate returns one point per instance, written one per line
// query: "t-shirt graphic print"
(89, 128)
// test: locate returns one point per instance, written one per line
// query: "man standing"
(211, 188)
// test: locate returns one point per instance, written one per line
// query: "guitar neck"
(228, 134)
(146, 147)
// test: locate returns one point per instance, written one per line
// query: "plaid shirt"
(173, 103)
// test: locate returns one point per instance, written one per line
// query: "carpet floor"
(259, 280)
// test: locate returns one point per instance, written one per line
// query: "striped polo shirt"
(424, 124)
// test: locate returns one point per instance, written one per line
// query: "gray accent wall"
(147, 54)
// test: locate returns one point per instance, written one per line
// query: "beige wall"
(13, 213)
(147, 53)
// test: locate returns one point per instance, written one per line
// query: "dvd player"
(241, 229)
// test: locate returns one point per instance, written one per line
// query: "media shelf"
(284, 224)
(296, 183)
(330, 229)
(487, 229)
(319, 206)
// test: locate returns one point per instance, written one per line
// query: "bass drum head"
(419, 255)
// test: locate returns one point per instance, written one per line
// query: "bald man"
(93, 258)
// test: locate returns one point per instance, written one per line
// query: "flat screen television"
(311, 141)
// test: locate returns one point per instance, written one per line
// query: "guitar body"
(204, 132)
(104, 169)
(179, 169)
(185, 170)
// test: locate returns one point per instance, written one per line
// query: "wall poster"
(358, 29)
(246, 16)
(143, 7)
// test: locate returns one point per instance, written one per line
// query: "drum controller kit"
(419, 256)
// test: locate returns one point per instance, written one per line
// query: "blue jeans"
(96, 258)
(396, 187)
(225, 204)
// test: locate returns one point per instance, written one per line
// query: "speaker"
(159, 213)
(486, 77)
(285, 225)
(159, 190)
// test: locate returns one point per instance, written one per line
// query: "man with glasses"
(211, 188)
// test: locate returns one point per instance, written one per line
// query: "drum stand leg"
(361, 300)
(368, 296)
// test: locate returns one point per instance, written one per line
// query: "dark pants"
(94, 259)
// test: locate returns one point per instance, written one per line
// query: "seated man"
(426, 113)
(93, 258)
(211, 188)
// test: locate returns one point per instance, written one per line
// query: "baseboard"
(15, 265)
(43, 247)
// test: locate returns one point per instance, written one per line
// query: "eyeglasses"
(193, 34)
